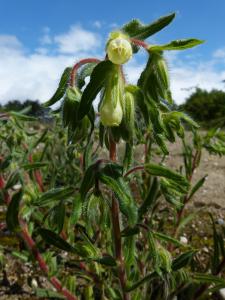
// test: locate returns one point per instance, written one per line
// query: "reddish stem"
(117, 232)
(137, 168)
(140, 43)
(37, 175)
(78, 65)
(2, 226)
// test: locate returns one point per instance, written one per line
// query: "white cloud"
(77, 40)
(46, 39)
(9, 42)
(187, 75)
(219, 53)
(36, 75)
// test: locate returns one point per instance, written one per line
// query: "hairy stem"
(78, 65)
(134, 169)
(117, 232)
(140, 43)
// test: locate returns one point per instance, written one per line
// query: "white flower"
(119, 50)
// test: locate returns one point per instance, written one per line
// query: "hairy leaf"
(61, 88)
(177, 45)
(97, 80)
(53, 195)
(12, 220)
(135, 29)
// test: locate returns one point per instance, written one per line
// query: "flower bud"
(70, 105)
(119, 49)
(128, 116)
(162, 71)
(110, 115)
(111, 112)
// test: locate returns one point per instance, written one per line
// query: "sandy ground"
(213, 191)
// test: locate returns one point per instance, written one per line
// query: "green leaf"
(88, 180)
(106, 260)
(70, 107)
(113, 170)
(45, 293)
(123, 194)
(147, 278)
(197, 186)
(177, 45)
(13, 179)
(54, 239)
(87, 158)
(150, 199)
(77, 209)
(167, 238)
(59, 216)
(182, 260)
(129, 250)
(34, 166)
(215, 259)
(207, 278)
(128, 231)
(186, 220)
(97, 80)
(178, 115)
(41, 139)
(159, 139)
(21, 117)
(153, 251)
(85, 71)
(53, 195)
(61, 88)
(135, 29)
(4, 164)
(128, 157)
(155, 83)
(158, 170)
(12, 220)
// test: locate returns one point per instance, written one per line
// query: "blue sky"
(39, 38)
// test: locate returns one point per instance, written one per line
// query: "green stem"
(117, 232)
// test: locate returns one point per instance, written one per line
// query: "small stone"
(205, 249)
(17, 186)
(183, 240)
(34, 283)
(220, 221)
(222, 293)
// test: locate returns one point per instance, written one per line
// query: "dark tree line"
(207, 108)
(33, 108)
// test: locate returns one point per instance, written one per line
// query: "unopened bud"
(111, 112)
(110, 115)
(128, 116)
(70, 105)
(119, 49)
